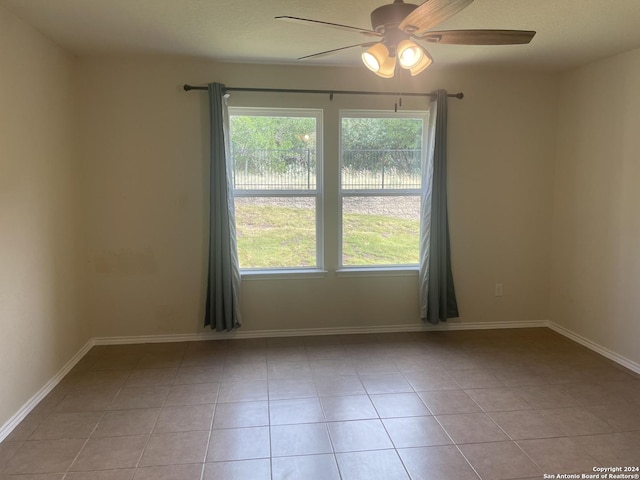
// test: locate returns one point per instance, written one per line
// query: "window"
(381, 158)
(277, 185)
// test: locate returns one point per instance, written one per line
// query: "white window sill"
(292, 274)
(377, 272)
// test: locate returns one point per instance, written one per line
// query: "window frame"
(317, 193)
(387, 269)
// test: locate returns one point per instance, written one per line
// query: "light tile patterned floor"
(490, 405)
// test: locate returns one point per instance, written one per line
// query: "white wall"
(596, 225)
(144, 145)
(40, 293)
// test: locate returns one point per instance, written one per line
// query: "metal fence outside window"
(295, 169)
(381, 169)
(274, 169)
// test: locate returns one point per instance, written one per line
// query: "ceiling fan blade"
(430, 14)
(327, 52)
(364, 31)
(479, 37)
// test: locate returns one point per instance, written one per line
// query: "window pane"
(273, 153)
(381, 153)
(276, 149)
(380, 230)
(276, 232)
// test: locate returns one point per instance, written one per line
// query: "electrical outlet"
(498, 290)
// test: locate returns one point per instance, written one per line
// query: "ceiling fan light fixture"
(409, 54)
(375, 57)
(423, 64)
(388, 68)
(378, 59)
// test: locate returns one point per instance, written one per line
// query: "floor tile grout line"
(469, 462)
(155, 424)
(458, 445)
(331, 442)
(206, 451)
(328, 432)
(529, 457)
(269, 428)
(395, 449)
(602, 419)
(7, 460)
(82, 448)
(104, 412)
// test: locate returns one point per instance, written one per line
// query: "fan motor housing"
(390, 15)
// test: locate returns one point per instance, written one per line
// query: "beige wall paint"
(40, 293)
(144, 146)
(596, 225)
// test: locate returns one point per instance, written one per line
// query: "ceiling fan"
(395, 27)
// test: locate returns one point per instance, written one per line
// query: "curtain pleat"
(222, 310)
(437, 293)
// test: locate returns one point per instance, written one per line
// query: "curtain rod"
(458, 95)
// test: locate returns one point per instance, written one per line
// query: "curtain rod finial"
(187, 87)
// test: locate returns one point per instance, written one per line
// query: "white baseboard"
(13, 422)
(298, 332)
(605, 352)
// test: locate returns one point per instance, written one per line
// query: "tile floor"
(501, 404)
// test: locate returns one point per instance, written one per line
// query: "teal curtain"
(222, 310)
(437, 293)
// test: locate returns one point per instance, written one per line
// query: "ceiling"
(570, 32)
